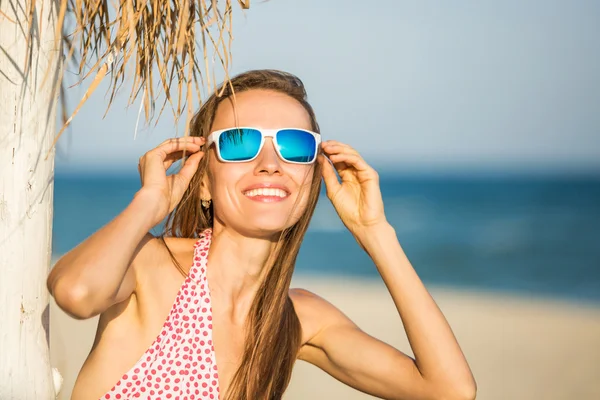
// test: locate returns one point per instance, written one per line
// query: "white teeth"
(266, 192)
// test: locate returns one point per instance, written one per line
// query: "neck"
(237, 269)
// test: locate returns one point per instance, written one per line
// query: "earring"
(205, 203)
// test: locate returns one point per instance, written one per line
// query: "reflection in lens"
(239, 144)
(296, 145)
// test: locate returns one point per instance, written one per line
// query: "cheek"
(303, 177)
(222, 174)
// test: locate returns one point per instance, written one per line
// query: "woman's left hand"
(357, 199)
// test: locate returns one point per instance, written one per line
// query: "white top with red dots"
(180, 364)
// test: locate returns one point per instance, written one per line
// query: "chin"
(264, 226)
(269, 225)
(261, 224)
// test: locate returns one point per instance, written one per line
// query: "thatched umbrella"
(166, 47)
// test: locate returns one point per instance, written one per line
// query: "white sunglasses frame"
(213, 137)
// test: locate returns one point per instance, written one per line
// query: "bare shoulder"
(303, 298)
(156, 252)
(315, 313)
(145, 250)
(155, 278)
(180, 244)
(311, 305)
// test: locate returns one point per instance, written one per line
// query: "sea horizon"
(523, 233)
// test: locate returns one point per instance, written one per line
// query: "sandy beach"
(519, 347)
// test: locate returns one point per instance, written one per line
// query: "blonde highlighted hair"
(273, 335)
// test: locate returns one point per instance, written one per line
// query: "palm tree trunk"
(27, 129)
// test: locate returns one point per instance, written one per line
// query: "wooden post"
(27, 129)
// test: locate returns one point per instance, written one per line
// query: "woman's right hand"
(167, 191)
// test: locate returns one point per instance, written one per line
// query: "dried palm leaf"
(153, 42)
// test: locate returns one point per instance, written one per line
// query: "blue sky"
(413, 85)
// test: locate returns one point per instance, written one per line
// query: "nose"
(268, 162)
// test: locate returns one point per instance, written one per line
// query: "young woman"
(205, 311)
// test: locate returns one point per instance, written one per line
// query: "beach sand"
(518, 347)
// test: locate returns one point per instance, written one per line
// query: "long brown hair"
(273, 335)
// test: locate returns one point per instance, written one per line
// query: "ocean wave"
(405, 213)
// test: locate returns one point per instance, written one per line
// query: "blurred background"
(483, 119)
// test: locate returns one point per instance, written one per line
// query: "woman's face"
(231, 186)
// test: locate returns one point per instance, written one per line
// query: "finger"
(335, 149)
(190, 167)
(157, 161)
(173, 146)
(353, 160)
(173, 157)
(179, 145)
(185, 139)
(329, 142)
(332, 184)
(331, 147)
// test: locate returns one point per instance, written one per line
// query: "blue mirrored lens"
(239, 144)
(296, 145)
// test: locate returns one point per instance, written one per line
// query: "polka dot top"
(180, 364)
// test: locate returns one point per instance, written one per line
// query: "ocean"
(528, 235)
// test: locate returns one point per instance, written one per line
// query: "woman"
(237, 212)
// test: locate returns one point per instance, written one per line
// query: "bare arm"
(339, 347)
(101, 271)
(438, 356)
(439, 369)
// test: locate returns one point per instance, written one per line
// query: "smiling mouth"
(266, 194)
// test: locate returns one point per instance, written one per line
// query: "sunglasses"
(293, 145)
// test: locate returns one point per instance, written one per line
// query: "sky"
(412, 85)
